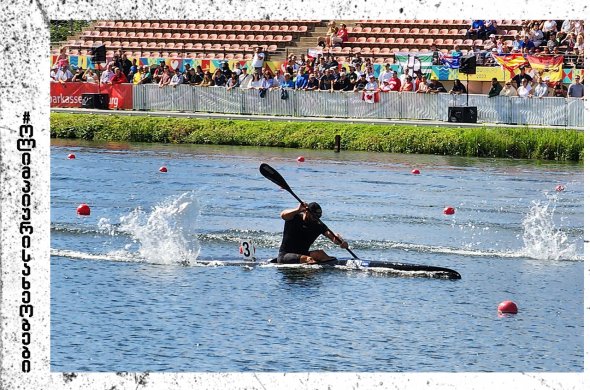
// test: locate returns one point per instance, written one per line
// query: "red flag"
(510, 62)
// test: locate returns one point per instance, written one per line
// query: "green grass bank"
(498, 142)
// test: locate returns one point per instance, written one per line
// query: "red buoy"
(163, 169)
(83, 209)
(300, 159)
(559, 188)
(71, 156)
(508, 307)
(449, 210)
(415, 171)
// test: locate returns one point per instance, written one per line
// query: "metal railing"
(568, 112)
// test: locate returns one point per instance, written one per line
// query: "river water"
(127, 294)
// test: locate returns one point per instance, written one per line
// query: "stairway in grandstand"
(236, 39)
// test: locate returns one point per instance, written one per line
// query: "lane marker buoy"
(507, 307)
(415, 171)
(300, 159)
(163, 169)
(83, 209)
(449, 210)
(559, 188)
(71, 156)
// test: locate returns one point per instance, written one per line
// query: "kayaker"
(302, 228)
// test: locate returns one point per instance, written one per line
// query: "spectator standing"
(549, 26)
(90, 76)
(326, 80)
(268, 82)
(542, 89)
(165, 78)
(146, 77)
(394, 83)
(176, 78)
(138, 75)
(118, 78)
(126, 66)
(226, 70)
(313, 84)
(458, 88)
(508, 90)
(521, 76)
(219, 79)
(78, 76)
(301, 79)
(559, 90)
(495, 88)
(408, 85)
(372, 85)
(159, 72)
(524, 89)
(490, 27)
(233, 82)
(436, 86)
(576, 89)
(361, 83)
(244, 78)
(255, 82)
(288, 82)
(53, 73)
(385, 75)
(343, 83)
(107, 75)
(207, 80)
(258, 60)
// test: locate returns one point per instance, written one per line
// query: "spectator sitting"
(458, 88)
(219, 79)
(361, 83)
(166, 78)
(508, 90)
(90, 76)
(527, 44)
(559, 90)
(517, 43)
(341, 36)
(495, 89)
(288, 82)
(476, 30)
(244, 78)
(408, 85)
(325, 41)
(436, 86)
(551, 42)
(78, 76)
(63, 75)
(53, 73)
(226, 70)
(538, 37)
(524, 89)
(576, 89)
(176, 78)
(579, 42)
(313, 84)
(422, 84)
(301, 79)
(549, 26)
(159, 72)
(233, 82)
(490, 27)
(456, 52)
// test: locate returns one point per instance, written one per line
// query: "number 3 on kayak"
(247, 250)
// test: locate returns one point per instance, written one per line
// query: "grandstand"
(236, 39)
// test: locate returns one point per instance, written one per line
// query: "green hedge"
(499, 142)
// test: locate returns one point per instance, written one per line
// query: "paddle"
(271, 174)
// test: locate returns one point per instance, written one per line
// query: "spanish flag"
(510, 62)
(551, 66)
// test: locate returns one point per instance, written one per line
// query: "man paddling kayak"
(302, 228)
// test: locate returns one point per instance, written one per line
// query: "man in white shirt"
(385, 75)
(372, 84)
(63, 75)
(107, 75)
(542, 90)
(258, 60)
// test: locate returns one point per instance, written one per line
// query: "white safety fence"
(567, 112)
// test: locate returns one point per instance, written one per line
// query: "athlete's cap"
(315, 209)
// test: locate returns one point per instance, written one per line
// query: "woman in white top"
(90, 76)
(525, 89)
(255, 82)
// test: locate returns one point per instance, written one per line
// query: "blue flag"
(449, 60)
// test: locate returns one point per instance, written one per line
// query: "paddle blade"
(271, 174)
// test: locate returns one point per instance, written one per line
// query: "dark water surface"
(124, 298)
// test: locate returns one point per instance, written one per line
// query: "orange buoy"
(300, 159)
(71, 156)
(163, 169)
(508, 307)
(449, 210)
(83, 209)
(415, 171)
(559, 188)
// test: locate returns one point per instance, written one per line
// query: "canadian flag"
(371, 96)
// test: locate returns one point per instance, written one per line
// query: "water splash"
(167, 233)
(542, 239)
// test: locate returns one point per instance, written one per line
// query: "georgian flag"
(371, 96)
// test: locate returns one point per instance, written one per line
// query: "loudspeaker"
(467, 65)
(463, 114)
(95, 100)
(99, 54)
